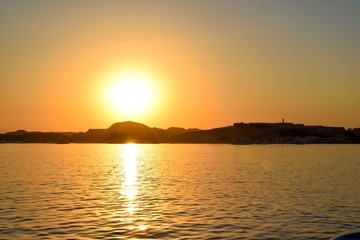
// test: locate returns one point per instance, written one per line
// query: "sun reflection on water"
(130, 184)
(130, 171)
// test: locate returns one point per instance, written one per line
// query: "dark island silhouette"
(238, 133)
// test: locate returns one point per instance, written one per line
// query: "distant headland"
(238, 133)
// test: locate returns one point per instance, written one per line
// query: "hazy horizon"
(191, 64)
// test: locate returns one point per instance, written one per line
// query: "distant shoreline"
(237, 134)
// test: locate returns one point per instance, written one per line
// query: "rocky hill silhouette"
(133, 132)
(123, 132)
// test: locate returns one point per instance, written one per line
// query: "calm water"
(101, 191)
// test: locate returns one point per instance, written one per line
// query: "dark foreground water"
(178, 191)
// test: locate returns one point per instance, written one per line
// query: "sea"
(178, 191)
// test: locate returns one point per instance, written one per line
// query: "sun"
(130, 93)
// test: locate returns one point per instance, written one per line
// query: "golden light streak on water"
(142, 227)
(130, 184)
(130, 162)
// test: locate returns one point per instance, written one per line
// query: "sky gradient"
(212, 63)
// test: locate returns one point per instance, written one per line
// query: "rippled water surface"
(101, 191)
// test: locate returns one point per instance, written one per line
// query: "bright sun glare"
(130, 93)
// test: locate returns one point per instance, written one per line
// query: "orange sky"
(211, 63)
